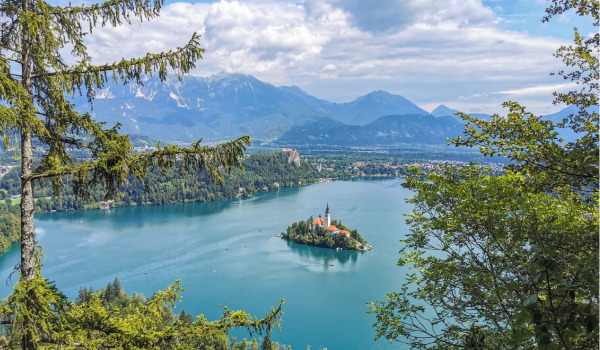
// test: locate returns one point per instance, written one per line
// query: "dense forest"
(302, 232)
(9, 225)
(263, 172)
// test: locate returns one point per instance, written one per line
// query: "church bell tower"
(327, 217)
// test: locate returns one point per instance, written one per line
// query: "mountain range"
(225, 106)
(384, 131)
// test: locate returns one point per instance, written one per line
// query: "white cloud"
(328, 68)
(173, 28)
(540, 90)
(263, 39)
(388, 15)
(438, 52)
(528, 91)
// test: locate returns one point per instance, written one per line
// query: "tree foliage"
(35, 102)
(110, 319)
(9, 225)
(520, 265)
(36, 82)
(302, 232)
(510, 261)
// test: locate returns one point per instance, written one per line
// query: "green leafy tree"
(520, 265)
(139, 324)
(35, 84)
(509, 261)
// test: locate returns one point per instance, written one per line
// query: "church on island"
(326, 223)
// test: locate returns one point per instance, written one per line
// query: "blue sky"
(525, 16)
(471, 55)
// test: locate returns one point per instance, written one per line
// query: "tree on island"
(36, 81)
(515, 262)
(302, 232)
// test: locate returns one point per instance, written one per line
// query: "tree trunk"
(27, 211)
(28, 264)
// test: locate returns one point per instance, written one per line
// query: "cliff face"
(293, 156)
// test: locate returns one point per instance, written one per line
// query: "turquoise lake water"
(226, 253)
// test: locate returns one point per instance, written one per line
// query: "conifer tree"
(185, 317)
(117, 289)
(36, 82)
(82, 296)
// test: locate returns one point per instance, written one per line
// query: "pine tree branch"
(12, 60)
(201, 158)
(66, 140)
(8, 48)
(181, 60)
(112, 12)
(107, 346)
(8, 116)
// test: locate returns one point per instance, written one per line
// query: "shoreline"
(336, 249)
(320, 180)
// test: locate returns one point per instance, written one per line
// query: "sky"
(470, 55)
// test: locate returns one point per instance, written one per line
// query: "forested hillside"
(262, 172)
(9, 225)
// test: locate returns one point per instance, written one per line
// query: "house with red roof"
(332, 229)
(317, 222)
(326, 223)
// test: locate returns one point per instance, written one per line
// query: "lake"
(226, 253)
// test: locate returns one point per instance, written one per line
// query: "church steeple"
(327, 216)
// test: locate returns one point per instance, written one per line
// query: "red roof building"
(332, 228)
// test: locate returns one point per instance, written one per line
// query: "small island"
(326, 233)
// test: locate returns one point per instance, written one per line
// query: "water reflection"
(327, 257)
(137, 217)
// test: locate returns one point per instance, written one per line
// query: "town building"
(105, 205)
(326, 223)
